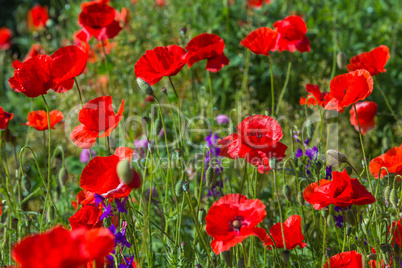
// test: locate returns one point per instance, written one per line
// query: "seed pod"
(349, 170)
(300, 198)
(179, 188)
(350, 217)
(227, 257)
(309, 128)
(387, 194)
(158, 125)
(26, 183)
(394, 198)
(186, 186)
(201, 215)
(341, 60)
(373, 256)
(273, 162)
(124, 171)
(145, 87)
(63, 176)
(210, 176)
(287, 192)
(286, 257)
(270, 223)
(337, 156)
(241, 264)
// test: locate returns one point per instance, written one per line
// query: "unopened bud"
(210, 176)
(63, 176)
(287, 192)
(286, 257)
(201, 215)
(394, 198)
(124, 171)
(26, 183)
(337, 156)
(387, 194)
(186, 186)
(341, 60)
(397, 249)
(350, 217)
(300, 198)
(309, 128)
(349, 170)
(145, 87)
(385, 248)
(158, 125)
(372, 256)
(349, 231)
(179, 188)
(325, 212)
(227, 257)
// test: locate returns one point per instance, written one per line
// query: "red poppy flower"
(38, 119)
(366, 112)
(292, 231)
(35, 50)
(160, 62)
(96, 116)
(292, 35)
(260, 41)
(257, 4)
(62, 248)
(349, 259)
(161, 3)
(4, 118)
(342, 191)
(322, 97)
(210, 47)
(232, 219)
(373, 61)
(68, 62)
(392, 160)
(257, 142)
(123, 17)
(88, 217)
(33, 77)
(98, 20)
(347, 89)
(5, 38)
(81, 36)
(100, 176)
(37, 17)
(84, 198)
(396, 229)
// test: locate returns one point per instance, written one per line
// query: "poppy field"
(169, 133)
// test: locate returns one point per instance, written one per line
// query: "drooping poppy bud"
(26, 183)
(124, 171)
(273, 162)
(63, 176)
(158, 125)
(337, 156)
(350, 217)
(397, 249)
(287, 192)
(179, 188)
(300, 198)
(341, 60)
(309, 128)
(394, 198)
(145, 87)
(373, 256)
(349, 170)
(324, 212)
(186, 186)
(210, 176)
(386, 248)
(201, 215)
(387, 194)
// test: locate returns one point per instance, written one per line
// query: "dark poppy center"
(236, 224)
(339, 191)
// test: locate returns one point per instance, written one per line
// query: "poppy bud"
(394, 198)
(306, 227)
(183, 31)
(124, 171)
(164, 90)
(372, 256)
(201, 215)
(186, 186)
(338, 156)
(287, 192)
(63, 176)
(300, 198)
(341, 60)
(179, 188)
(270, 223)
(385, 248)
(349, 170)
(227, 257)
(158, 125)
(350, 217)
(324, 212)
(27, 169)
(273, 162)
(26, 183)
(145, 87)
(241, 264)
(210, 176)
(309, 128)
(318, 166)
(387, 194)
(286, 257)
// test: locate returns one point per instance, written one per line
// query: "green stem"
(272, 88)
(388, 104)
(323, 243)
(284, 85)
(79, 92)
(279, 207)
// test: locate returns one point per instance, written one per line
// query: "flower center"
(236, 224)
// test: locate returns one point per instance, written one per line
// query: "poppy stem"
(175, 92)
(272, 88)
(279, 207)
(245, 76)
(108, 145)
(285, 84)
(49, 151)
(364, 154)
(388, 104)
(79, 92)
(324, 242)
(244, 254)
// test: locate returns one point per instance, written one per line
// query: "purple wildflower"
(312, 153)
(129, 263)
(120, 237)
(222, 119)
(121, 205)
(98, 199)
(108, 212)
(338, 220)
(140, 148)
(85, 157)
(299, 153)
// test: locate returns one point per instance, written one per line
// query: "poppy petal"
(83, 137)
